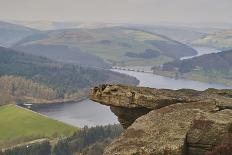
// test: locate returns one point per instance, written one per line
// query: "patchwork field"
(220, 40)
(115, 45)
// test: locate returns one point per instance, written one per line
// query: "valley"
(115, 45)
(212, 68)
(34, 79)
(52, 71)
(74, 113)
(115, 77)
(12, 33)
(221, 40)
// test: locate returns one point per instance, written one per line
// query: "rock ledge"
(169, 122)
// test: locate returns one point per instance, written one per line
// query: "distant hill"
(38, 75)
(112, 44)
(215, 67)
(221, 40)
(182, 34)
(56, 25)
(46, 25)
(214, 61)
(12, 33)
(65, 54)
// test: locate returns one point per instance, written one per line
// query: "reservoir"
(92, 114)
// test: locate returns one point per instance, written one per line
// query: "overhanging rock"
(169, 122)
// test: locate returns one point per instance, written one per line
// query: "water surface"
(80, 114)
(91, 114)
(156, 81)
(201, 51)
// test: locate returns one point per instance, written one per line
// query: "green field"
(210, 77)
(113, 44)
(220, 40)
(20, 125)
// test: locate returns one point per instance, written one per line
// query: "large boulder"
(169, 122)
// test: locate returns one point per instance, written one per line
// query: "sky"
(118, 11)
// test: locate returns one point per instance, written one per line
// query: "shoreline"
(192, 77)
(40, 104)
(172, 75)
(30, 110)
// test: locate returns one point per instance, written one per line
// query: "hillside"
(179, 33)
(115, 45)
(221, 40)
(38, 79)
(46, 25)
(63, 53)
(12, 33)
(19, 125)
(56, 25)
(86, 141)
(214, 67)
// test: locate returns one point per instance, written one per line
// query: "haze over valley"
(125, 77)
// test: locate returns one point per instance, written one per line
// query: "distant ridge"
(111, 44)
(12, 33)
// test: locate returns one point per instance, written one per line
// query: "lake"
(91, 114)
(79, 114)
(201, 51)
(156, 81)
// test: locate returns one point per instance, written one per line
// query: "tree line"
(87, 141)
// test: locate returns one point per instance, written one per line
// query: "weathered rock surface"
(169, 122)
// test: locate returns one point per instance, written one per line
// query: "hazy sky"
(148, 11)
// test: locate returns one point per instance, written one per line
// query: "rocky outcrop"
(169, 122)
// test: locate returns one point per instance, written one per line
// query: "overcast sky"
(140, 11)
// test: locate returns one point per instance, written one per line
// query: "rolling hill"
(12, 33)
(19, 125)
(36, 79)
(179, 33)
(114, 45)
(214, 61)
(220, 40)
(65, 54)
(44, 25)
(215, 67)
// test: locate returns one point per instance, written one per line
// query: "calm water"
(156, 81)
(202, 51)
(80, 114)
(91, 114)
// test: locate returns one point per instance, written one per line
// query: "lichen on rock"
(168, 122)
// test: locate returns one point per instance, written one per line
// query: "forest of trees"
(41, 148)
(20, 87)
(92, 141)
(217, 62)
(147, 54)
(32, 76)
(87, 141)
